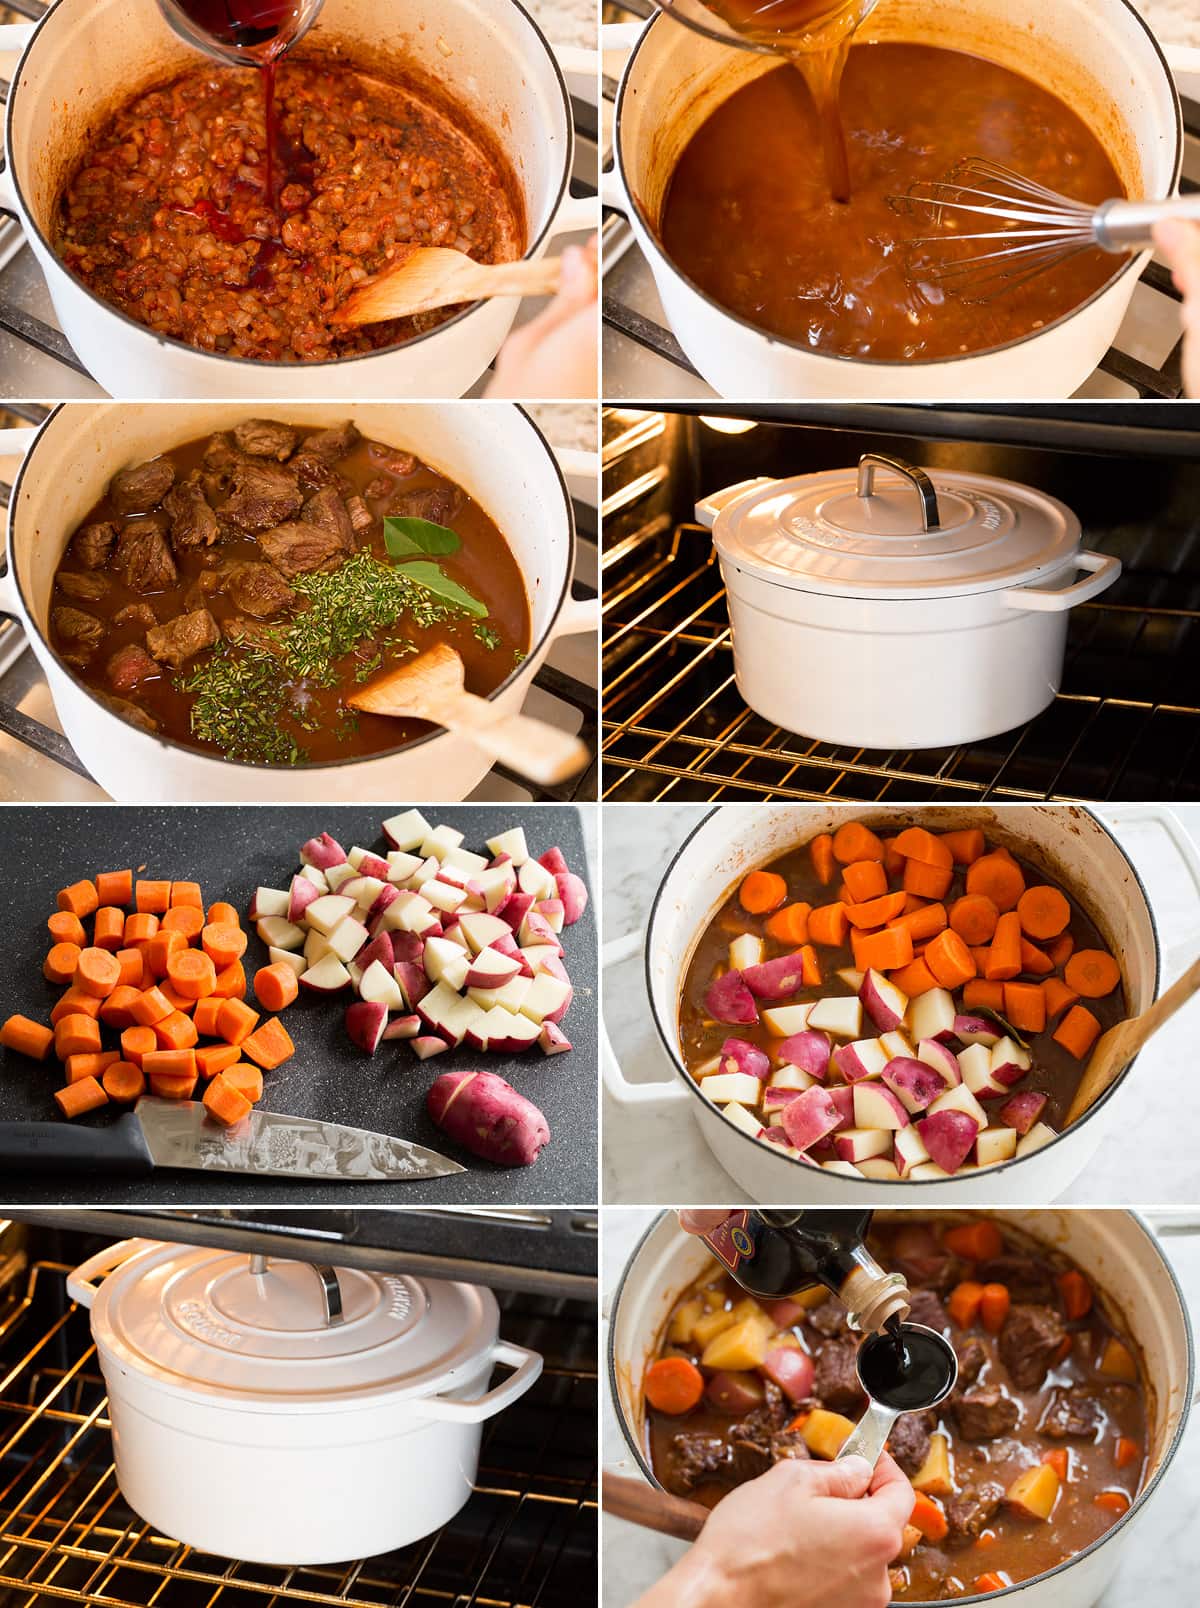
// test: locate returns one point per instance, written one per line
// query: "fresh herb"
(434, 579)
(417, 538)
(489, 638)
(519, 656)
(368, 667)
(239, 704)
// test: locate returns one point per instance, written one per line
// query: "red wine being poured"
(248, 25)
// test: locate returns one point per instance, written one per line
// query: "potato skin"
(487, 1116)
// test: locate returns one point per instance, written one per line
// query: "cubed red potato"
(942, 1059)
(366, 1021)
(728, 999)
(738, 1055)
(877, 1107)
(1021, 1111)
(513, 910)
(808, 1050)
(403, 1027)
(972, 1029)
(414, 982)
(785, 1312)
(323, 852)
(909, 1151)
(552, 1040)
(776, 979)
(1009, 1062)
(843, 1099)
(883, 1002)
(914, 1084)
(379, 949)
(932, 1015)
(809, 1117)
(774, 1099)
(427, 1045)
(735, 1393)
(488, 1117)
(572, 890)
(865, 1058)
(860, 1144)
(554, 860)
(949, 1137)
(792, 1370)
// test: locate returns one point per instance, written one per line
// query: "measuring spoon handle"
(869, 1436)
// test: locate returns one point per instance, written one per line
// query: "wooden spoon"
(653, 1509)
(432, 687)
(1116, 1048)
(436, 276)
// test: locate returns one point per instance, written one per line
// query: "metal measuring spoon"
(930, 1376)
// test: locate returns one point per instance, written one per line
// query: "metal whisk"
(1027, 228)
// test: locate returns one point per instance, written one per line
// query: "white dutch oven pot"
(86, 58)
(1097, 55)
(251, 1420)
(1068, 842)
(493, 449)
(897, 577)
(1116, 1249)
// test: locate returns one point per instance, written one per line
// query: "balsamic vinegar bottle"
(780, 1253)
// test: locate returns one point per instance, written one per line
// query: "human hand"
(1179, 243)
(701, 1222)
(557, 353)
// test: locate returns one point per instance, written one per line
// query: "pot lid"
(259, 1333)
(890, 530)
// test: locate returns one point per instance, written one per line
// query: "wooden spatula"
(432, 687)
(1116, 1048)
(436, 276)
(651, 1508)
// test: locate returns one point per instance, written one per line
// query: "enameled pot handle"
(717, 502)
(13, 444)
(80, 1286)
(1102, 571)
(580, 66)
(615, 1081)
(621, 35)
(527, 1366)
(612, 191)
(15, 35)
(578, 214)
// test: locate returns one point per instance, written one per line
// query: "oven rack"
(675, 726)
(526, 1539)
(625, 272)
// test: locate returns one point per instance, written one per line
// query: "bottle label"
(731, 1241)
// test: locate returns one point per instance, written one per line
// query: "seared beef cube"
(938, 1270)
(909, 1440)
(379, 487)
(835, 1380)
(129, 711)
(393, 460)
(694, 1458)
(983, 1414)
(250, 634)
(138, 613)
(326, 509)
(261, 495)
(312, 471)
(129, 665)
(1072, 1416)
(221, 457)
(1030, 1342)
(926, 1308)
(183, 637)
(771, 1416)
(141, 489)
(143, 559)
(257, 589)
(193, 523)
(972, 1355)
(828, 1319)
(970, 1514)
(297, 549)
(361, 516)
(265, 438)
(438, 504)
(751, 1457)
(80, 632)
(334, 443)
(92, 545)
(87, 587)
(1027, 1279)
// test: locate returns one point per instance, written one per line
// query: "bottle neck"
(871, 1296)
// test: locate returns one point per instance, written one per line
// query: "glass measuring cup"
(928, 1372)
(771, 27)
(241, 33)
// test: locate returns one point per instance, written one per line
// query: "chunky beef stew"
(898, 1006)
(232, 593)
(1037, 1453)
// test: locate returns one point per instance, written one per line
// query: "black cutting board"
(231, 851)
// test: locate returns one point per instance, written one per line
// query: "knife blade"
(179, 1134)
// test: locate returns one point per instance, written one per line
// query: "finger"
(578, 283)
(701, 1222)
(849, 1478)
(1179, 242)
(890, 1493)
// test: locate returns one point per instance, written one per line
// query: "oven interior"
(528, 1535)
(1126, 722)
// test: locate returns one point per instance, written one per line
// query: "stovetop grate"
(527, 1538)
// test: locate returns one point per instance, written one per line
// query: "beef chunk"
(828, 1319)
(755, 1454)
(129, 665)
(183, 637)
(326, 509)
(938, 1270)
(141, 613)
(1027, 1278)
(130, 712)
(439, 504)
(296, 549)
(333, 444)
(1029, 1343)
(926, 1308)
(257, 589)
(265, 438)
(312, 471)
(379, 487)
(250, 633)
(392, 459)
(835, 1381)
(1072, 1416)
(143, 559)
(261, 495)
(909, 1440)
(87, 587)
(983, 1414)
(193, 523)
(141, 489)
(221, 457)
(92, 545)
(80, 632)
(972, 1355)
(361, 516)
(694, 1458)
(970, 1514)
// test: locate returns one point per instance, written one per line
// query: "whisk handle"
(1122, 224)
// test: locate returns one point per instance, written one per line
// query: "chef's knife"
(179, 1133)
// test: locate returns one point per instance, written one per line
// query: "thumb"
(848, 1478)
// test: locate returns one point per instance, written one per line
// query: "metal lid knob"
(331, 1290)
(917, 478)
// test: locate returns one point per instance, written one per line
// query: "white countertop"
(1160, 1568)
(657, 1155)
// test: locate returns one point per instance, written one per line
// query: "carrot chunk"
(1061, 950)
(1115, 1501)
(966, 846)
(152, 898)
(78, 1098)
(854, 841)
(924, 922)
(875, 912)
(1076, 1294)
(760, 892)
(224, 1103)
(205, 1015)
(173, 1085)
(137, 1042)
(140, 927)
(81, 899)
(225, 945)
(979, 994)
(108, 928)
(827, 924)
(1035, 961)
(915, 843)
(176, 1000)
(999, 877)
(1092, 973)
(974, 918)
(821, 849)
(97, 972)
(865, 879)
(236, 1021)
(1077, 1031)
(246, 1079)
(993, 1307)
(192, 973)
(1004, 957)
(123, 1082)
(115, 887)
(231, 982)
(789, 925)
(963, 1303)
(133, 969)
(60, 963)
(882, 951)
(221, 914)
(1058, 996)
(977, 1241)
(1025, 1006)
(1127, 1451)
(914, 980)
(75, 1003)
(949, 959)
(1044, 912)
(89, 1065)
(150, 1008)
(161, 947)
(76, 1035)
(117, 1010)
(169, 1063)
(214, 1058)
(186, 896)
(275, 987)
(66, 928)
(269, 1045)
(927, 881)
(673, 1385)
(175, 1032)
(27, 1037)
(929, 1518)
(185, 920)
(893, 862)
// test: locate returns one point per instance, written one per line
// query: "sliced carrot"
(133, 969)
(115, 887)
(221, 914)
(81, 899)
(225, 945)
(151, 1007)
(926, 921)
(108, 928)
(186, 896)
(1115, 1501)
(176, 1000)
(854, 841)
(140, 927)
(1092, 973)
(991, 1581)
(949, 959)
(1060, 1461)
(875, 912)
(60, 963)
(980, 956)
(152, 898)
(965, 846)
(974, 918)
(136, 1042)
(231, 982)
(66, 928)
(821, 849)
(75, 1003)
(963, 1303)
(1034, 961)
(893, 861)
(173, 1085)
(169, 1063)
(1077, 1031)
(78, 1098)
(1127, 1451)
(789, 925)
(224, 1103)
(979, 994)
(27, 1037)
(927, 881)
(1061, 950)
(97, 972)
(205, 1015)
(117, 1010)
(76, 1035)
(246, 1079)
(883, 951)
(90, 1064)
(1076, 1295)
(1004, 957)
(175, 1032)
(810, 968)
(269, 1045)
(760, 892)
(673, 1385)
(977, 1241)
(193, 974)
(993, 1307)
(1058, 996)
(915, 843)
(214, 1058)
(1025, 1006)
(183, 919)
(865, 879)
(161, 947)
(827, 924)
(123, 1082)
(236, 1021)
(928, 1517)
(914, 980)
(999, 877)
(275, 987)
(1044, 911)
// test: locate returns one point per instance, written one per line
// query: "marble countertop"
(1175, 22)
(652, 1154)
(1159, 1569)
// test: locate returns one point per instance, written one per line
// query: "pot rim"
(173, 743)
(1136, 1505)
(924, 1184)
(269, 366)
(949, 364)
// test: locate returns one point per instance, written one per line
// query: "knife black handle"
(118, 1151)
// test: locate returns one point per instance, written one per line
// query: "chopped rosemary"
(489, 638)
(239, 702)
